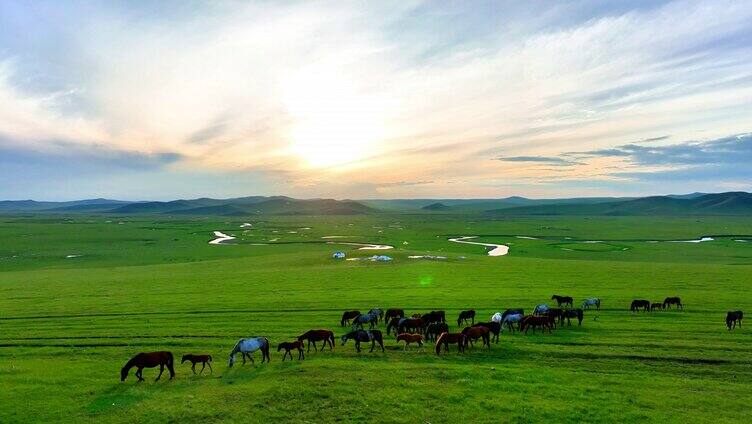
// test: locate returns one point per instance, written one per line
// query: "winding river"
(498, 249)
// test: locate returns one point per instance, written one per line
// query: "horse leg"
(309, 345)
(138, 374)
(161, 370)
(193, 368)
(203, 365)
(373, 345)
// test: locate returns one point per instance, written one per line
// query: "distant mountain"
(33, 205)
(731, 203)
(276, 205)
(436, 207)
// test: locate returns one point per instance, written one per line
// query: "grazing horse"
(347, 316)
(373, 336)
(378, 312)
(533, 321)
(493, 327)
(593, 301)
(569, 314)
(511, 319)
(246, 347)
(541, 309)
(556, 314)
(433, 316)
(394, 323)
(204, 359)
(563, 300)
(672, 301)
(371, 318)
(657, 305)
(434, 330)
(289, 346)
(393, 313)
(732, 317)
(410, 338)
(639, 303)
(512, 311)
(446, 339)
(317, 336)
(475, 333)
(411, 325)
(149, 360)
(465, 316)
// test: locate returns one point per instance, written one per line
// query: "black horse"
(640, 303)
(556, 314)
(373, 336)
(672, 301)
(434, 330)
(465, 316)
(569, 314)
(732, 317)
(563, 300)
(434, 316)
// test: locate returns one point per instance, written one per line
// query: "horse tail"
(210, 358)
(439, 341)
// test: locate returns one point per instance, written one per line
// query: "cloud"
(540, 159)
(730, 150)
(347, 93)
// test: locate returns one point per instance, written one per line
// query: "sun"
(333, 123)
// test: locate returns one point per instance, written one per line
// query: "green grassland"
(67, 324)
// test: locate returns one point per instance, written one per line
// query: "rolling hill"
(730, 203)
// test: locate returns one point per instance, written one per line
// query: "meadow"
(81, 294)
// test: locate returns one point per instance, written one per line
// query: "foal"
(204, 359)
(410, 338)
(288, 346)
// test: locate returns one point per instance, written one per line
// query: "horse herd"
(413, 329)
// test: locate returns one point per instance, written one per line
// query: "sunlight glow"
(333, 122)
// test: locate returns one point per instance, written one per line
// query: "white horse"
(541, 309)
(247, 346)
(593, 301)
(497, 317)
(510, 320)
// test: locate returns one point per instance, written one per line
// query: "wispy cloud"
(548, 160)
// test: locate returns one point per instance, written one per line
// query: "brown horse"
(465, 316)
(475, 333)
(446, 339)
(733, 317)
(672, 301)
(657, 305)
(289, 346)
(204, 359)
(410, 338)
(434, 330)
(639, 303)
(393, 313)
(410, 325)
(347, 316)
(493, 327)
(563, 300)
(314, 336)
(556, 314)
(533, 321)
(149, 360)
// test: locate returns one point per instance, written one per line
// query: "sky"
(156, 100)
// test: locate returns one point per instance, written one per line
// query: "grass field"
(67, 324)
